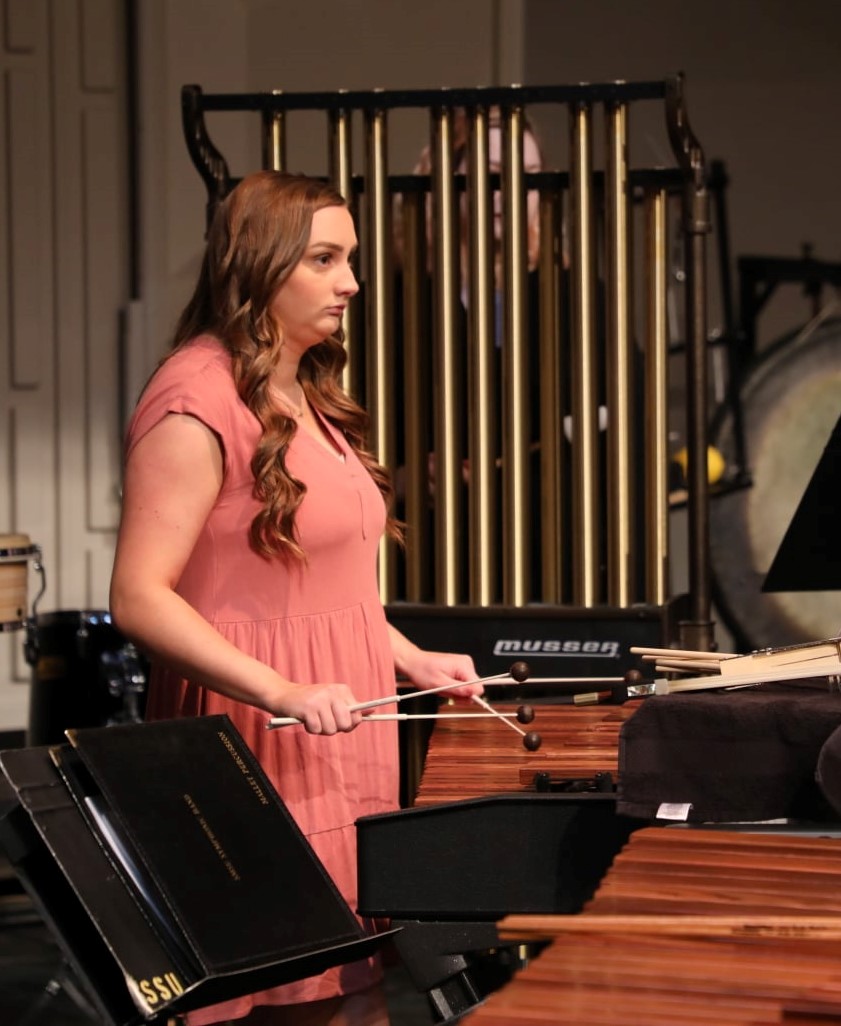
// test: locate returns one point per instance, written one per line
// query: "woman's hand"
(322, 708)
(432, 669)
(427, 669)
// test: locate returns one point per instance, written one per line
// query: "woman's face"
(310, 303)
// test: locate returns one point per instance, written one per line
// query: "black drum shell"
(66, 650)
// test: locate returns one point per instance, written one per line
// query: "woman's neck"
(285, 374)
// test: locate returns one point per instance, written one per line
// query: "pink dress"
(319, 622)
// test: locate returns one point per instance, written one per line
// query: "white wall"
(63, 283)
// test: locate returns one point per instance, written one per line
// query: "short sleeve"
(196, 381)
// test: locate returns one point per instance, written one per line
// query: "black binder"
(809, 556)
(169, 869)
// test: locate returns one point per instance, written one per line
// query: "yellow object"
(715, 463)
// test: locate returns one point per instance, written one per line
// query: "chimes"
(505, 344)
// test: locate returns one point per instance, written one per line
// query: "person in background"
(246, 556)
(532, 164)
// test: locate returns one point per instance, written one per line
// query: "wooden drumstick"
(291, 721)
(517, 673)
(495, 712)
(677, 653)
(576, 680)
(718, 681)
(525, 714)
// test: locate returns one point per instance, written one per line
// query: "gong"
(791, 401)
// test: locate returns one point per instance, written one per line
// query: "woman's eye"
(323, 259)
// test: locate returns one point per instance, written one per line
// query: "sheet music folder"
(809, 557)
(169, 868)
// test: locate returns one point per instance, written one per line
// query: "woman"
(246, 557)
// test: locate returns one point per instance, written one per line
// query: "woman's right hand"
(322, 708)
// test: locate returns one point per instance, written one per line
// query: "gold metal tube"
(585, 511)
(448, 394)
(340, 151)
(378, 362)
(274, 138)
(340, 163)
(516, 497)
(416, 389)
(550, 269)
(656, 377)
(482, 407)
(620, 476)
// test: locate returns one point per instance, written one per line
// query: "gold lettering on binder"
(243, 768)
(209, 834)
(161, 988)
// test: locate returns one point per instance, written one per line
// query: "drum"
(791, 402)
(15, 552)
(84, 674)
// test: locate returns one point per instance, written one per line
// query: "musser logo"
(557, 647)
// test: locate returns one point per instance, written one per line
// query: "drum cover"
(15, 551)
(791, 402)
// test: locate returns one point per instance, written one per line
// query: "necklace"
(297, 411)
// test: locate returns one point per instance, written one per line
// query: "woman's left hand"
(427, 669)
(432, 669)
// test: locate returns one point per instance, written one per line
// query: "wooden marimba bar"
(477, 757)
(704, 872)
(689, 926)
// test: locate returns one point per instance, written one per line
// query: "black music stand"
(809, 556)
(169, 870)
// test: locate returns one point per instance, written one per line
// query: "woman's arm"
(173, 476)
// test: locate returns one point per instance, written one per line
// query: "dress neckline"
(331, 439)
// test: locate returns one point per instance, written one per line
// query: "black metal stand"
(63, 981)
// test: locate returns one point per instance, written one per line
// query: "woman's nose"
(348, 285)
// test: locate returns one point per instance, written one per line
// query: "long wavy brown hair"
(257, 236)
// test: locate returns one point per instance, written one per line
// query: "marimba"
(508, 842)
(689, 926)
(483, 841)
(475, 757)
